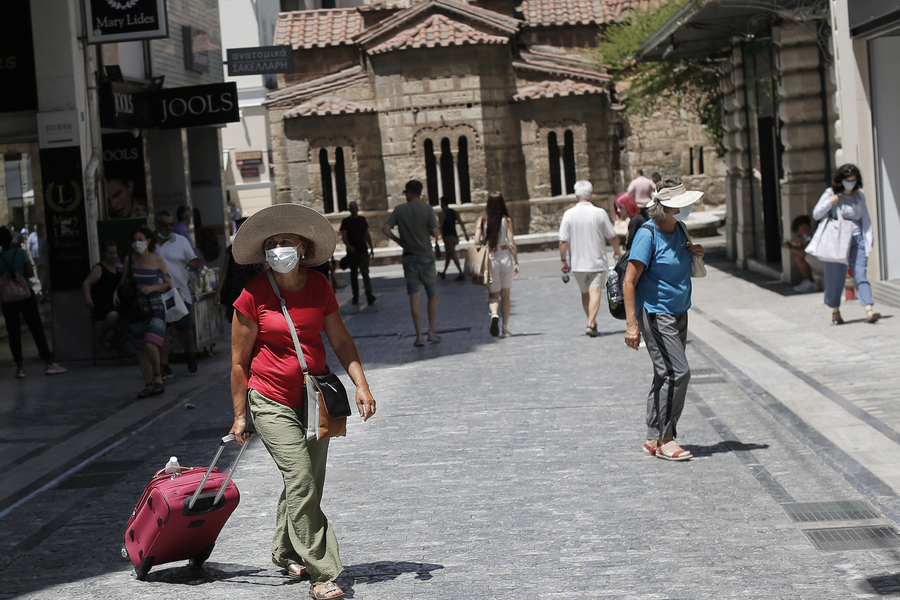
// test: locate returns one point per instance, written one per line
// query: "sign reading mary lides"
(124, 20)
(198, 105)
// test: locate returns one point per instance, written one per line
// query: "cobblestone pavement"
(501, 468)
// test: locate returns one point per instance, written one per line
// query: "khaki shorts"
(589, 279)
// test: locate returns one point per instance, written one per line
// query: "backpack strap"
(10, 267)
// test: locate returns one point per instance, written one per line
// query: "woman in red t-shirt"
(266, 375)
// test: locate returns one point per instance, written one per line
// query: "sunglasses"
(166, 224)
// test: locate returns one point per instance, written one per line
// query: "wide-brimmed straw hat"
(285, 218)
(675, 197)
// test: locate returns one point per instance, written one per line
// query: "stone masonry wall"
(168, 53)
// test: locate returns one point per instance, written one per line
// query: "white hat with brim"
(675, 197)
(285, 218)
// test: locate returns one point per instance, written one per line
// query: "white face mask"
(282, 260)
(848, 185)
(685, 211)
(163, 237)
(139, 247)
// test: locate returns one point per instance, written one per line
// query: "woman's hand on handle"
(696, 250)
(239, 429)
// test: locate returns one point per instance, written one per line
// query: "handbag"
(326, 417)
(698, 267)
(176, 309)
(831, 241)
(437, 250)
(478, 265)
(13, 287)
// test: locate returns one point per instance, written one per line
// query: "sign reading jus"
(198, 105)
(124, 20)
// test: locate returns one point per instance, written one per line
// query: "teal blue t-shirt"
(665, 285)
(18, 263)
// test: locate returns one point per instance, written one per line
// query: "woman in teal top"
(16, 258)
(657, 287)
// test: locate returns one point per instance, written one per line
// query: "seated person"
(98, 289)
(801, 234)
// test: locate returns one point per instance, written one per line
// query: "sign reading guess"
(123, 20)
(197, 105)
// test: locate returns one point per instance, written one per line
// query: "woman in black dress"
(98, 289)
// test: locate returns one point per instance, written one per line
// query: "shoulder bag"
(698, 267)
(13, 287)
(327, 417)
(831, 241)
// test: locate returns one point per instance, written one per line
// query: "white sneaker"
(806, 286)
(54, 369)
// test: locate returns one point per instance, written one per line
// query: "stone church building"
(467, 97)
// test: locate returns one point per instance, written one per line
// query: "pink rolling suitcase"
(180, 516)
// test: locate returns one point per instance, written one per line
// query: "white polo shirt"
(178, 253)
(586, 228)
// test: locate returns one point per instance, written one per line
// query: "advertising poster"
(65, 217)
(125, 186)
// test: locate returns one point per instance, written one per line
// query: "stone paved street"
(500, 468)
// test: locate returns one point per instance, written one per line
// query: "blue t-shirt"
(664, 286)
(18, 263)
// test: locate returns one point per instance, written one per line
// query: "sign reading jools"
(265, 60)
(197, 105)
(124, 20)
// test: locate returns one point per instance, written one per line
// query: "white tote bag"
(831, 241)
(176, 309)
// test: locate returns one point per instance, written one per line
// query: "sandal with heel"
(158, 388)
(836, 318)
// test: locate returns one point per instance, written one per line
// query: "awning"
(706, 28)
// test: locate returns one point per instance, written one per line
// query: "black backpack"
(615, 295)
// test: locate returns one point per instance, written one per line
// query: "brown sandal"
(325, 591)
(836, 317)
(146, 392)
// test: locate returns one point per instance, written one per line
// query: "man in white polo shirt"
(180, 257)
(583, 233)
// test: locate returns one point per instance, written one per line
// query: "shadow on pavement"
(721, 447)
(383, 571)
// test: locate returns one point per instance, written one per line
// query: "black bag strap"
(10, 267)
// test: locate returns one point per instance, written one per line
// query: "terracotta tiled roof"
(563, 12)
(327, 105)
(315, 87)
(437, 30)
(614, 9)
(318, 28)
(456, 11)
(555, 89)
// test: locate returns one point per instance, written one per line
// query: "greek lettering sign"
(124, 20)
(253, 157)
(198, 105)
(65, 216)
(264, 60)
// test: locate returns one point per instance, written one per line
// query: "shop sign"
(18, 87)
(250, 172)
(126, 106)
(263, 60)
(248, 158)
(58, 129)
(65, 217)
(197, 105)
(124, 20)
(125, 184)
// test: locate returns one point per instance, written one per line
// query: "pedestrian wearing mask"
(657, 288)
(845, 196)
(148, 271)
(266, 377)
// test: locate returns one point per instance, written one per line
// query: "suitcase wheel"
(197, 561)
(124, 552)
(140, 572)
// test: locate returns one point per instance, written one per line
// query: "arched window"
(327, 188)
(462, 168)
(431, 174)
(555, 174)
(448, 177)
(340, 180)
(569, 161)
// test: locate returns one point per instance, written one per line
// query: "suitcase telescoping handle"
(225, 440)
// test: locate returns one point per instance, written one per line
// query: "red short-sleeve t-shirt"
(274, 369)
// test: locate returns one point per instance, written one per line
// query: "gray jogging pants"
(666, 337)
